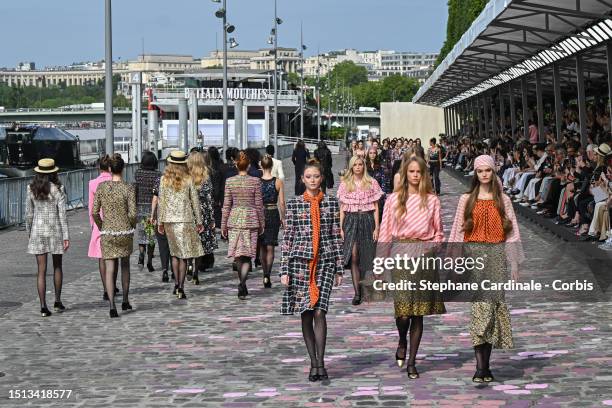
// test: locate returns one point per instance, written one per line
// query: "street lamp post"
(277, 21)
(318, 89)
(302, 49)
(222, 14)
(227, 29)
(108, 83)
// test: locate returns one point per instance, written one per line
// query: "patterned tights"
(314, 330)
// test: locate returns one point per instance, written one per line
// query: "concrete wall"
(411, 120)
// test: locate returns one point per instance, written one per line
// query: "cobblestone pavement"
(215, 350)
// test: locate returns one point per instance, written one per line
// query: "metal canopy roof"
(511, 38)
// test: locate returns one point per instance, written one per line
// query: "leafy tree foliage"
(461, 14)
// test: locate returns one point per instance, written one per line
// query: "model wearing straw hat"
(47, 228)
(179, 216)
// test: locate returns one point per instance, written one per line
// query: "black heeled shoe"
(150, 267)
(313, 375)
(242, 292)
(478, 376)
(356, 300)
(44, 312)
(413, 374)
(165, 278)
(126, 306)
(59, 307)
(175, 290)
(196, 280)
(400, 360)
(181, 294)
(113, 313)
(488, 376)
(322, 373)
(267, 282)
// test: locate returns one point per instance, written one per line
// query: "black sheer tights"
(58, 276)
(483, 355)
(314, 330)
(415, 325)
(244, 264)
(112, 268)
(355, 272)
(266, 255)
(179, 266)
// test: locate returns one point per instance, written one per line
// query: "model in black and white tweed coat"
(296, 251)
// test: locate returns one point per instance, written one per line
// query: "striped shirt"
(424, 224)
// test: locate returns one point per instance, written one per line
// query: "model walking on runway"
(47, 229)
(485, 217)
(412, 225)
(273, 194)
(180, 217)
(242, 220)
(311, 262)
(358, 195)
(117, 200)
(200, 174)
(95, 248)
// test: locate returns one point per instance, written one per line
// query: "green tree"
(349, 74)
(461, 14)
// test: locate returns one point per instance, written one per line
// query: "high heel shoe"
(356, 300)
(322, 373)
(175, 290)
(400, 360)
(44, 312)
(478, 376)
(488, 376)
(59, 307)
(181, 294)
(150, 267)
(313, 375)
(196, 280)
(113, 313)
(165, 276)
(242, 291)
(267, 282)
(126, 306)
(413, 374)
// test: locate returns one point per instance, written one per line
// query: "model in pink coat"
(95, 250)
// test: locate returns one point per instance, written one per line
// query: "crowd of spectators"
(565, 180)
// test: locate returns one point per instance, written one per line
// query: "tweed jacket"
(47, 218)
(243, 204)
(297, 238)
(179, 206)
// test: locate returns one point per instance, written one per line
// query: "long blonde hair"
(197, 168)
(425, 187)
(175, 176)
(349, 177)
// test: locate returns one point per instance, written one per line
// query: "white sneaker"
(524, 204)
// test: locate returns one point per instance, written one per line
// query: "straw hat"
(46, 166)
(603, 150)
(177, 157)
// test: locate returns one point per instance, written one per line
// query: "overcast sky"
(60, 32)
